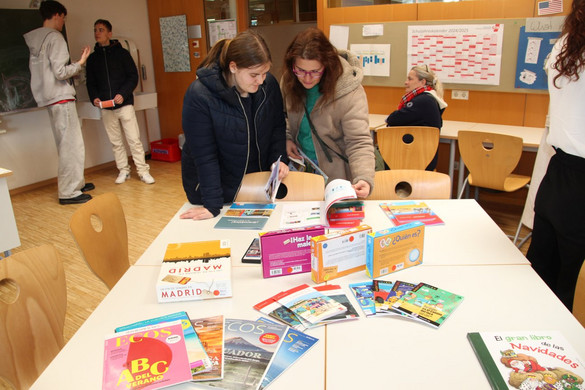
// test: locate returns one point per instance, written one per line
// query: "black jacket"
(111, 71)
(218, 138)
(422, 110)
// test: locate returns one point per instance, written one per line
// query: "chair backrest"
(410, 184)
(408, 147)
(296, 186)
(99, 228)
(579, 301)
(33, 302)
(489, 157)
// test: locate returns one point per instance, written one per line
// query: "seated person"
(422, 104)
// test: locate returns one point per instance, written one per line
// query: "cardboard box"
(393, 249)
(339, 253)
(287, 251)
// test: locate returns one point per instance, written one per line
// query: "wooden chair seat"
(296, 186)
(511, 183)
(579, 300)
(99, 228)
(408, 147)
(33, 318)
(410, 184)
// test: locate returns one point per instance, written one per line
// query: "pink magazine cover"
(146, 358)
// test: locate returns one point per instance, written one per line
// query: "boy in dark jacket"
(111, 80)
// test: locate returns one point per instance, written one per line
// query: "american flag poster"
(550, 7)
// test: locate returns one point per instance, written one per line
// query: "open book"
(340, 208)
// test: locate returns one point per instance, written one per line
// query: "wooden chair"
(408, 147)
(579, 301)
(410, 184)
(490, 159)
(33, 302)
(99, 228)
(296, 186)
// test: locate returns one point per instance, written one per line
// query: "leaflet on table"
(127, 353)
(309, 304)
(429, 304)
(403, 212)
(250, 347)
(271, 187)
(387, 293)
(195, 271)
(294, 345)
(364, 296)
(335, 292)
(271, 307)
(301, 214)
(300, 166)
(246, 216)
(198, 358)
(211, 333)
(528, 360)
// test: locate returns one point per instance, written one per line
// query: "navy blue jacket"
(110, 71)
(218, 138)
(422, 110)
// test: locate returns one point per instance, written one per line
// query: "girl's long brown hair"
(248, 49)
(571, 60)
(311, 44)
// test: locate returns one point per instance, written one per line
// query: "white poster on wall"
(465, 54)
(221, 29)
(375, 58)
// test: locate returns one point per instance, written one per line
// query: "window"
(267, 12)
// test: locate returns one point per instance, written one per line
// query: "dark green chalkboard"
(15, 93)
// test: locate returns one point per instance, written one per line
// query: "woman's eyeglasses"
(314, 74)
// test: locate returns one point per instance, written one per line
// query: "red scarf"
(410, 95)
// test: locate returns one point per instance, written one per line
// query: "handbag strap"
(326, 148)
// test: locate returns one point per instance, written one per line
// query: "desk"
(531, 137)
(468, 256)
(9, 238)
(397, 353)
(467, 237)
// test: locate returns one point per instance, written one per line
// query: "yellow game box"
(339, 253)
(393, 249)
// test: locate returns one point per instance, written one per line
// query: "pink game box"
(287, 251)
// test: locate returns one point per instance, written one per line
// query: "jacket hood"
(213, 80)
(35, 38)
(113, 43)
(352, 75)
(442, 104)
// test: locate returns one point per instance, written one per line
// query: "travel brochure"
(246, 216)
(421, 302)
(403, 212)
(242, 354)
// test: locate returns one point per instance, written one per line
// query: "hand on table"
(196, 213)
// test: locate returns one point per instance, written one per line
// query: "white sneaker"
(147, 178)
(122, 177)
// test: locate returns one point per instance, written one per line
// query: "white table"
(397, 353)
(79, 364)
(531, 137)
(9, 238)
(469, 256)
(469, 235)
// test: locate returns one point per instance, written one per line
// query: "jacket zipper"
(107, 71)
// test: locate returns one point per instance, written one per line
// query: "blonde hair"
(424, 72)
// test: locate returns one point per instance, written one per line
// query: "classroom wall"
(518, 109)
(28, 148)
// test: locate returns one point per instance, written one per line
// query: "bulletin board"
(396, 34)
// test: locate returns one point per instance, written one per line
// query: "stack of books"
(346, 214)
(421, 302)
(403, 212)
(213, 352)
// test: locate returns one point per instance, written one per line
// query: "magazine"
(364, 296)
(253, 254)
(249, 348)
(335, 292)
(271, 187)
(305, 164)
(271, 307)
(198, 358)
(151, 357)
(211, 333)
(195, 271)
(429, 304)
(528, 360)
(294, 345)
(309, 305)
(246, 216)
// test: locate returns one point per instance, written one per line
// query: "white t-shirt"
(567, 109)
